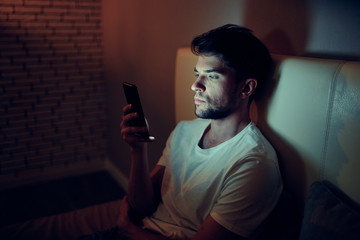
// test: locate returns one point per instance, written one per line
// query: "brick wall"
(51, 84)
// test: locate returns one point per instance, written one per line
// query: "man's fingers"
(127, 109)
(133, 139)
(132, 134)
(133, 130)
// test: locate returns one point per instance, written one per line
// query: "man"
(218, 177)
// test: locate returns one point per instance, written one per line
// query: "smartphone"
(133, 98)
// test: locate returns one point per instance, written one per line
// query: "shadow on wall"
(334, 31)
(321, 29)
(278, 42)
(283, 26)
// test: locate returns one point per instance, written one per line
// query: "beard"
(213, 113)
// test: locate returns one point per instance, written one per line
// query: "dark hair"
(239, 49)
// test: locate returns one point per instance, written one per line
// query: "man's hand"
(130, 134)
(128, 229)
(125, 226)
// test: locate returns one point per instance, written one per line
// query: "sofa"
(310, 112)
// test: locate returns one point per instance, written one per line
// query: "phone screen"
(133, 98)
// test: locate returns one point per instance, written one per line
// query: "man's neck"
(221, 130)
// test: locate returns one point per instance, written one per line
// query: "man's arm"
(127, 229)
(156, 176)
(141, 193)
(210, 229)
(140, 189)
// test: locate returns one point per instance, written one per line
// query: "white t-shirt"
(237, 182)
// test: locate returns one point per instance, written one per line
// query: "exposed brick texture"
(51, 83)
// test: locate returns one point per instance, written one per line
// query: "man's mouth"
(198, 100)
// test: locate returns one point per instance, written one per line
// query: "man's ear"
(248, 87)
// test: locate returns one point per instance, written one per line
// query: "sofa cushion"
(329, 214)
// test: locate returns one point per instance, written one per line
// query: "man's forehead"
(210, 63)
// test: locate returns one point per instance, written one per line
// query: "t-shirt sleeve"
(249, 193)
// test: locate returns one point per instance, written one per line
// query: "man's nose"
(198, 85)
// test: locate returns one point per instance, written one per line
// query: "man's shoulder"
(257, 143)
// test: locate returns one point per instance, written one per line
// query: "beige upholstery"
(311, 114)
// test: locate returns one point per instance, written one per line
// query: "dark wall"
(51, 84)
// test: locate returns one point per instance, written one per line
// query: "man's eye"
(213, 76)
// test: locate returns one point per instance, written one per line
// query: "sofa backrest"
(310, 112)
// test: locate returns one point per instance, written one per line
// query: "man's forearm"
(140, 189)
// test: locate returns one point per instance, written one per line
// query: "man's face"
(215, 88)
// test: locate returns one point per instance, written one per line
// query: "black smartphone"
(133, 98)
